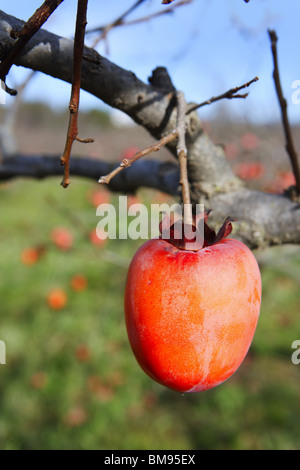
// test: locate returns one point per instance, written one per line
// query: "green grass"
(51, 399)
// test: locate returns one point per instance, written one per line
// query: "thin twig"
(178, 133)
(167, 10)
(126, 163)
(116, 22)
(230, 94)
(283, 106)
(182, 156)
(119, 21)
(22, 37)
(72, 134)
(104, 30)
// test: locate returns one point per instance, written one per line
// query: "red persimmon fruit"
(191, 314)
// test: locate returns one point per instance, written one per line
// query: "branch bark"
(151, 105)
(26, 32)
(148, 173)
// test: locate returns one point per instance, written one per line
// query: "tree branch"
(230, 94)
(23, 36)
(148, 173)
(126, 163)
(151, 105)
(182, 157)
(283, 107)
(104, 30)
(72, 133)
(262, 219)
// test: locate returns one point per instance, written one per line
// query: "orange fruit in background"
(57, 299)
(76, 416)
(129, 152)
(30, 256)
(38, 380)
(95, 240)
(249, 170)
(284, 180)
(62, 238)
(250, 141)
(79, 282)
(82, 353)
(99, 196)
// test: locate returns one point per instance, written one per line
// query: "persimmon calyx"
(195, 236)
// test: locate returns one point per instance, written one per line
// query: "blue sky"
(207, 46)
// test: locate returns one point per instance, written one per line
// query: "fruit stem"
(185, 189)
(182, 156)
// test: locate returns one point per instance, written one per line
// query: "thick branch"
(23, 36)
(151, 105)
(261, 219)
(148, 173)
